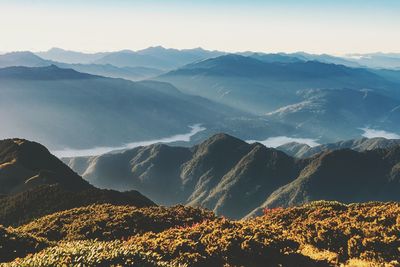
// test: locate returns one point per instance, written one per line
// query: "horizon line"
(2, 52)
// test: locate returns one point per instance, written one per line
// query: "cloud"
(281, 140)
(371, 133)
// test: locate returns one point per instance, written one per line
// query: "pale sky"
(335, 27)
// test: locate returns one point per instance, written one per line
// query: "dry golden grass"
(110, 222)
(317, 234)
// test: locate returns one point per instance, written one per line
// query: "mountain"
(233, 178)
(377, 60)
(46, 73)
(33, 183)
(70, 57)
(340, 114)
(63, 108)
(343, 175)
(278, 57)
(27, 59)
(51, 223)
(258, 86)
(303, 151)
(26, 164)
(321, 101)
(156, 57)
(388, 74)
(129, 73)
(325, 58)
(223, 173)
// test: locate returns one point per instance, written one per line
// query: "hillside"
(344, 175)
(77, 110)
(339, 114)
(233, 178)
(35, 183)
(318, 234)
(251, 83)
(223, 173)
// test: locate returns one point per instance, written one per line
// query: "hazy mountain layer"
(260, 86)
(340, 114)
(156, 57)
(28, 59)
(64, 108)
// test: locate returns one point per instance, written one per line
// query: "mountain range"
(29, 59)
(299, 150)
(324, 101)
(251, 95)
(237, 179)
(153, 57)
(66, 108)
(49, 214)
(258, 86)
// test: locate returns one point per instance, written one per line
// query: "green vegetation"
(317, 234)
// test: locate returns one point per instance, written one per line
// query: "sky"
(335, 27)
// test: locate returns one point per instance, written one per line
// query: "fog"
(281, 140)
(102, 150)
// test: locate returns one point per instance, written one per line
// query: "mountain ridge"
(230, 177)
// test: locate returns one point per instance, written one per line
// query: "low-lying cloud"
(281, 140)
(371, 133)
(66, 153)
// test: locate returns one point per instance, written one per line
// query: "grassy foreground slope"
(316, 234)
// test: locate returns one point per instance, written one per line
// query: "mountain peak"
(222, 138)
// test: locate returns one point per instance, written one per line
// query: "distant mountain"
(34, 183)
(278, 57)
(340, 114)
(26, 59)
(233, 178)
(377, 60)
(156, 57)
(259, 86)
(363, 144)
(325, 58)
(390, 75)
(70, 57)
(46, 73)
(64, 108)
(129, 73)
